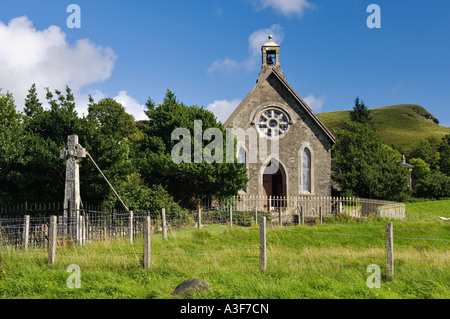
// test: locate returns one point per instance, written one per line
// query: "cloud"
(44, 57)
(222, 109)
(82, 100)
(255, 41)
(315, 103)
(226, 65)
(131, 105)
(285, 7)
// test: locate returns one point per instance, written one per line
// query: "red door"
(267, 190)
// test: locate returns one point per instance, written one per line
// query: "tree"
(433, 185)
(31, 169)
(188, 183)
(108, 133)
(426, 152)
(12, 146)
(110, 136)
(361, 114)
(137, 195)
(40, 177)
(444, 151)
(421, 168)
(365, 166)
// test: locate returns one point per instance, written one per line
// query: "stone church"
(275, 111)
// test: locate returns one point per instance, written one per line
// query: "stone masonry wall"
(303, 132)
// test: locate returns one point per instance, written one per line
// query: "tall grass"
(322, 261)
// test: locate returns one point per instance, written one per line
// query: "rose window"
(273, 123)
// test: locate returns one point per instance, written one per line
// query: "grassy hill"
(402, 125)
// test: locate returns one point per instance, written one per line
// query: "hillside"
(402, 125)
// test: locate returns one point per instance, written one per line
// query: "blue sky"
(208, 52)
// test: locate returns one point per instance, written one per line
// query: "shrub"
(434, 185)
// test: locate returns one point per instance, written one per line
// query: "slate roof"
(279, 74)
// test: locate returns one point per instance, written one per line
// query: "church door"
(273, 186)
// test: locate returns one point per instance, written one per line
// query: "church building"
(280, 117)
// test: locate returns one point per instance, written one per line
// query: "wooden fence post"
(52, 233)
(199, 218)
(256, 215)
(147, 242)
(231, 215)
(164, 226)
(390, 250)
(26, 233)
(301, 220)
(130, 227)
(262, 244)
(320, 214)
(111, 224)
(79, 225)
(280, 217)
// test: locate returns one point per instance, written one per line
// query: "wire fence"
(311, 206)
(218, 235)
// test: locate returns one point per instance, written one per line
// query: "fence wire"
(215, 236)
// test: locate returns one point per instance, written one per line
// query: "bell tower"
(270, 53)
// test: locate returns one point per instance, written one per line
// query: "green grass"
(401, 125)
(321, 261)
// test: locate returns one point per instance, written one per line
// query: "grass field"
(401, 125)
(314, 262)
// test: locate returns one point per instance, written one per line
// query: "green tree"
(444, 151)
(361, 114)
(365, 166)
(188, 183)
(426, 152)
(40, 178)
(110, 136)
(139, 196)
(30, 144)
(421, 168)
(12, 146)
(108, 133)
(434, 185)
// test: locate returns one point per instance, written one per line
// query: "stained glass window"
(306, 170)
(273, 123)
(242, 158)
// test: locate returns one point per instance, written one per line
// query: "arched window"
(306, 171)
(242, 158)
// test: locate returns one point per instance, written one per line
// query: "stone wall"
(304, 132)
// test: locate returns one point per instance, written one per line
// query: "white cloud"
(285, 7)
(131, 105)
(222, 109)
(255, 41)
(315, 103)
(82, 100)
(226, 65)
(44, 57)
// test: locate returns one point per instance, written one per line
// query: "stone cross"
(72, 154)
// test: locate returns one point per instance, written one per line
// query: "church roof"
(270, 43)
(279, 74)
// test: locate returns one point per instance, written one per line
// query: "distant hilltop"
(403, 125)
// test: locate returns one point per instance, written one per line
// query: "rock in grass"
(190, 286)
